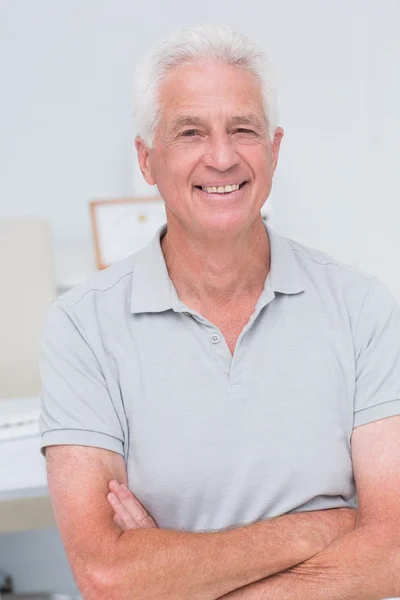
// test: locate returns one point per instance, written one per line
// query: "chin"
(223, 224)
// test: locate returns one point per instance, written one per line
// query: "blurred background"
(66, 138)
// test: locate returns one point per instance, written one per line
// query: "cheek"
(257, 156)
(172, 174)
(181, 165)
(167, 171)
(262, 166)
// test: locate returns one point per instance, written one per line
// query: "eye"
(243, 130)
(189, 132)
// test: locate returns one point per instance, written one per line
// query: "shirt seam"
(82, 332)
(361, 310)
(73, 317)
(85, 430)
(96, 290)
(334, 264)
(375, 405)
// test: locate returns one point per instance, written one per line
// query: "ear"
(143, 154)
(276, 144)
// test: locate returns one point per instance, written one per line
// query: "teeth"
(221, 189)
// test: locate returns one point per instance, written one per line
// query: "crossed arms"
(322, 554)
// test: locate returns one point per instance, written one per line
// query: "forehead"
(206, 88)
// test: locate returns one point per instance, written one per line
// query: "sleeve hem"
(80, 437)
(390, 408)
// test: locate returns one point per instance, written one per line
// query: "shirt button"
(215, 338)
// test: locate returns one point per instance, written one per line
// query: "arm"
(365, 563)
(162, 563)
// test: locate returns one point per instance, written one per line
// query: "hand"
(128, 512)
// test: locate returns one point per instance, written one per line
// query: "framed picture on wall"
(122, 226)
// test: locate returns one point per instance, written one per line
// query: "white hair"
(187, 46)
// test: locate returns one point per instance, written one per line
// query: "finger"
(118, 521)
(132, 505)
(123, 519)
(121, 511)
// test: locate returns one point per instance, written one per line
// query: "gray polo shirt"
(210, 440)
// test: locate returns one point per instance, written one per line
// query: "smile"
(221, 189)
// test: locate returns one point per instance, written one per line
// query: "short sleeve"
(377, 356)
(76, 406)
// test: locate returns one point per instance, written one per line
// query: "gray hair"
(188, 45)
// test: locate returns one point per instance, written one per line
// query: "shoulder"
(360, 291)
(321, 262)
(337, 286)
(330, 276)
(115, 281)
(101, 299)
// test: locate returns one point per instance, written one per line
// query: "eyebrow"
(252, 120)
(190, 121)
(185, 121)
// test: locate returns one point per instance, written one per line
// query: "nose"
(220, 153)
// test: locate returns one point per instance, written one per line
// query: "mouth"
(221, 191)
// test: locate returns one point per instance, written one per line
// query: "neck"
(217, 270)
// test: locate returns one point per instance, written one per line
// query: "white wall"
(66, 126)
(378, 242)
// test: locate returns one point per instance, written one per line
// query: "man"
(246, 388)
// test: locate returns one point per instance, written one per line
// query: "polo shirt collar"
(285, 274)
(153, 290)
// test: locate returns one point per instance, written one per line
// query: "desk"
(24, 500)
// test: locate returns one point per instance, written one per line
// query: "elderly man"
(245, 387)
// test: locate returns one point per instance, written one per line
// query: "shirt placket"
(233, 367)
(236, 379)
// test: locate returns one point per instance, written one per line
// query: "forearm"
(165, 564)
(362, 565)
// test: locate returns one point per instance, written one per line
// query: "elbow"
(114, 574)
(95, 582)
(100, 574)
(92, 584)
(100, 584)
(106, 584)
(386, 539)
